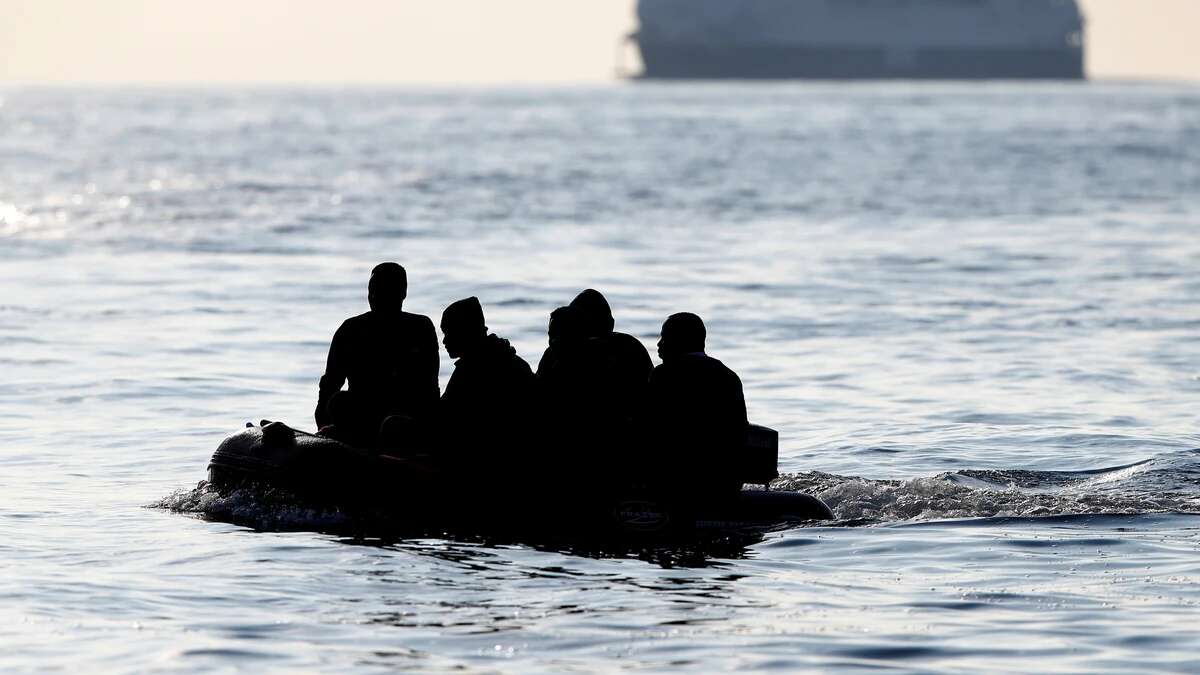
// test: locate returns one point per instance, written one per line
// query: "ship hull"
(676, 61)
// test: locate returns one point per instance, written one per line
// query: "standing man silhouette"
(389, 357)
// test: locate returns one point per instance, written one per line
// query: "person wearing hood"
(607, 371)
(593, 381)
(567, 377)
(559, 370)
(488, 405)
(696, 414)
(389, 357)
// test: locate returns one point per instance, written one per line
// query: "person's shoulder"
(416, 321)
(629, 343)
(719, 366)
(667, 369)
(701, 363)
(521, 366)
(355, 322)
(625, 339)
(512, 358)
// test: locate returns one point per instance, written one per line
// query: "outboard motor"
(758, 464)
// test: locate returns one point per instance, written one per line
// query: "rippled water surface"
(973, 313)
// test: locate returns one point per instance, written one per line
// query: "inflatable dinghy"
(414, 492)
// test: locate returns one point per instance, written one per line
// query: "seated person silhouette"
(607, 368)
(486, 414)
(389, 357)
(559, 368)
(593, 381)
(570, 384)
(695, 416)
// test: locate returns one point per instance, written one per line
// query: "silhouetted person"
(571, 384)
(695, 415)
(486, 413)
(560, 362)
(389, 357)
(593, 381)
(609, 367)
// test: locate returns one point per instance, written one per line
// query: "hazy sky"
(433, 41)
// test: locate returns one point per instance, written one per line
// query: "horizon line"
(565, 83)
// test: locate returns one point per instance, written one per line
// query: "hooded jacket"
(603, 382)
(489, 401)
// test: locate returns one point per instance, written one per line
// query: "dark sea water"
(972, 311)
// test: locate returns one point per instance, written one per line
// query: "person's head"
(682, 333)
(564, 329)
(595, 316)
(463, 326)
(388, 288)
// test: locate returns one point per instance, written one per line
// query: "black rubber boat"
(413, 492)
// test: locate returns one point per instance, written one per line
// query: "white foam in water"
(267, 510)
(968, 494)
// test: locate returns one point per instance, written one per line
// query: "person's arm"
(650, 425)
(336, 369)
(645, 364)
(740, 401)
(640, 373)
(546, 363)
(429, 366)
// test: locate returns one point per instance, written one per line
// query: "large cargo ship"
(851, 39)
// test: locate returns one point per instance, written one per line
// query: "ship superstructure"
(949, 39)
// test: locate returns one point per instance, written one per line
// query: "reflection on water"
(480, 608)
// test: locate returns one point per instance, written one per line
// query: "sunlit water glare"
(972, 311)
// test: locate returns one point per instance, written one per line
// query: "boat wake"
(1166, 484)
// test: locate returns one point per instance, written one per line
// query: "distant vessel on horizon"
(860, 39)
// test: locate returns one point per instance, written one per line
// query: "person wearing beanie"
(486, 413)
(388, 356)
